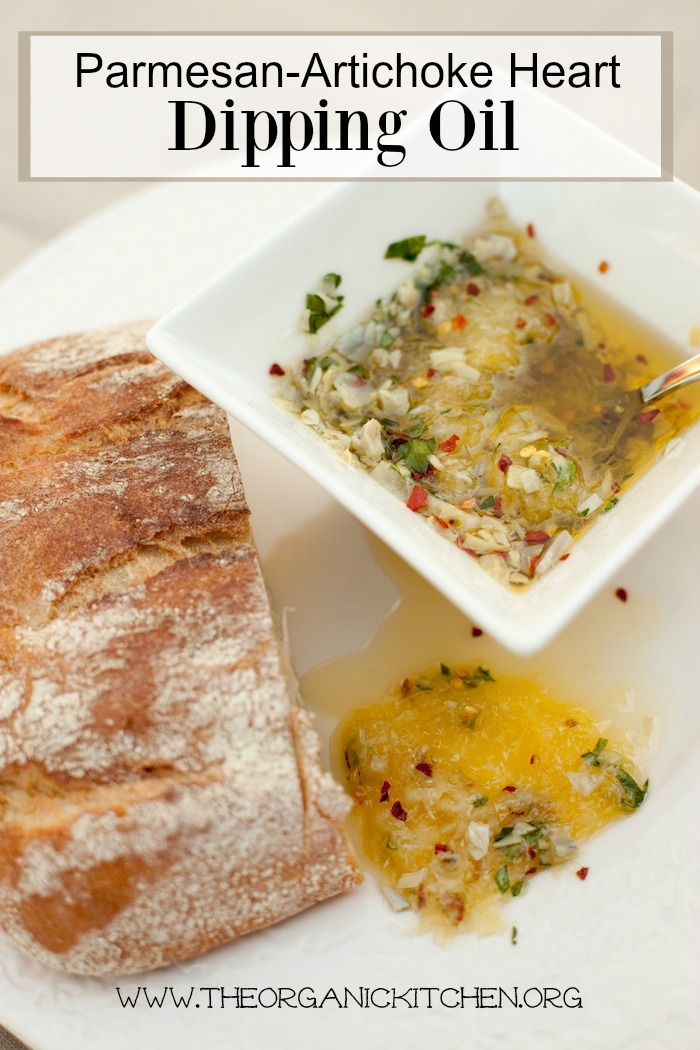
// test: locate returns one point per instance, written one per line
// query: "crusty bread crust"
(160, 792)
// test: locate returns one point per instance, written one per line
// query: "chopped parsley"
(313, 363)
(411, 247)
(415, 453)
(482, 675)
(531, 837)
(565, 475)
(479, 801)
(592, 758)
(417, 428)
(408, 249)
(441, 273)
(324, 304)
(470, 264)
(502, 879)
(634, 794)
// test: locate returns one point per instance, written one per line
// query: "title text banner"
(168, 106)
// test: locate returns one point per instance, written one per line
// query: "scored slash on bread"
(160, 790)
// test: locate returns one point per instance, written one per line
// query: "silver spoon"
(676, 377)
(628, 403)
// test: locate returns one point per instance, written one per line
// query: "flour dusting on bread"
(160, 789)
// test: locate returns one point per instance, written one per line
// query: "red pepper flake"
(608, 373)
(504, 462)
(530, 230)
(646, 417)
(432, 372)
(385, 791)
(425, 768)
(448, 445)
(441, 522)
(532, 538)
(417, 499)
(531, 871)
(532, 759)
(642, 359)
(476, 632)
(473, 289)
(582, 872)
(459, 321)
(534, 562)
(398, 811)
(550, 319)
(621, 593)
(564, 556)
(531, 300)
(440, 847)
(497, 504)
(277, 370)
(603, 266)
(427, 310)
(520, 323)
(531, 852)
(510, 788)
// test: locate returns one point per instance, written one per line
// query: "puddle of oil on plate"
(423, 629)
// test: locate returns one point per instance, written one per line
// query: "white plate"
(224, 339)
(628, 937)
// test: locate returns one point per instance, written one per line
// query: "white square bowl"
(225, 337)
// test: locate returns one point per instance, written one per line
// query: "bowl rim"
(523, 621)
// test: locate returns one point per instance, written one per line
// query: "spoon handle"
(674, 379)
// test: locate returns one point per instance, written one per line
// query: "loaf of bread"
(160, 789)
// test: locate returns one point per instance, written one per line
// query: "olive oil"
(468, 784)
(495, 397)
(526, 730)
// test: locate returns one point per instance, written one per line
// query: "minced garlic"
(485, 380)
